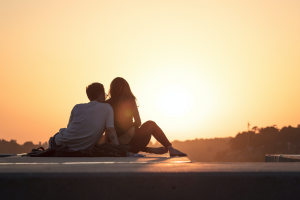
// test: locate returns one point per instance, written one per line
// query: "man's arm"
(110, 131)
(112, 135)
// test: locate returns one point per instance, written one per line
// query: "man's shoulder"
(106, 105)
(93, 104)
(80, 105)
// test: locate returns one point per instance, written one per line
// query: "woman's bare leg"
(175, 152)
(159, 135)
(156, 150)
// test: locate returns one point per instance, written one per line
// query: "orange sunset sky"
(199, 69)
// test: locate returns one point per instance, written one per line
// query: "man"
(87, 122)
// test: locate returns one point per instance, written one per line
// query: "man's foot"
(156, 150)
(175, 152)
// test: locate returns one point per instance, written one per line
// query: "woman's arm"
(136, 116)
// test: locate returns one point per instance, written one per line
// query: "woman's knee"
(150, 123)
(149, 127)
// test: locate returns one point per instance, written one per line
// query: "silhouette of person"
(131, 133)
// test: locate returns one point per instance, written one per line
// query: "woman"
(131, 133)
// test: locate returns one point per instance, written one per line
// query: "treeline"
(252, 146)
(248, 146)
(12, 147)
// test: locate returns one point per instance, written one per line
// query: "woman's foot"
(175, 152)
(156, 150)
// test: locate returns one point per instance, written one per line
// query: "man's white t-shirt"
(86, 125)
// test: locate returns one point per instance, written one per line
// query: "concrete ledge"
(282, 158)
(152, 178)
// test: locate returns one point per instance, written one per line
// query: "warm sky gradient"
(200, 69)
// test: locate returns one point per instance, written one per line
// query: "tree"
(255, 129)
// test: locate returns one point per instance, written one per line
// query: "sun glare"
(174, 101)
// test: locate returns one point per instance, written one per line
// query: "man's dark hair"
(94, 90)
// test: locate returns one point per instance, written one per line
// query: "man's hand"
(112, 135)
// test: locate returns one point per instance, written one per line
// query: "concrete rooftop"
(151, 177)
(17, 164)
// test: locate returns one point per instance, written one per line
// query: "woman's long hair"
(120, 90)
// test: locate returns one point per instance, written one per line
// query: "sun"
(174, 101)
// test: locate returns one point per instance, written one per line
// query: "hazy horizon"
(199, 69)
(155, 142)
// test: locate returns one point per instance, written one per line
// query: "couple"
(115, 116)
